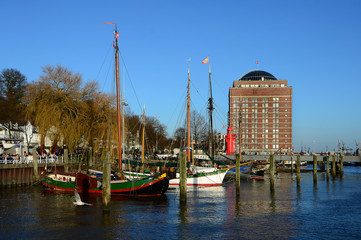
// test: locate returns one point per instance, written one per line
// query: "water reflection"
(289, 211)
(315, 191)
(273, 201)
(183, 212)
(299, 193)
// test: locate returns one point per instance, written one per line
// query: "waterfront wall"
(18, 175)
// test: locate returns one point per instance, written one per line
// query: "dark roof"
(257, 75)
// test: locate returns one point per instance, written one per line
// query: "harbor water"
(330, 209)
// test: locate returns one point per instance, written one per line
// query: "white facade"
(18, 137)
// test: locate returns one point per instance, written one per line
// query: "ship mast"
(143, 137)
(116, 48)
(210, 110)
(188, 120)
(116, 34)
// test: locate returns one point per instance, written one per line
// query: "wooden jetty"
(307, 158)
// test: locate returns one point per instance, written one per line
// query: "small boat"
(242, 169)
(250, 176)
(214, 178)
(288, 164)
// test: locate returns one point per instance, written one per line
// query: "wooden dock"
(307, 158)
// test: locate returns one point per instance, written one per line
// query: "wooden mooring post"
(333, 170)
(341, 165)
(272, 173)
(328, 168)
(314, 169)
(238, 177)
(183, 177)
(298, 170)
(66, 160)
(106, 195)
(35, 166)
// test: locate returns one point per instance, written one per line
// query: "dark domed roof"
(257, 75)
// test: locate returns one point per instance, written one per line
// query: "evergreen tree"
(12, 90)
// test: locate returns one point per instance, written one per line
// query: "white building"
(16, 138)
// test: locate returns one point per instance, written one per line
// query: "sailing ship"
(93, 183)
(202, 177)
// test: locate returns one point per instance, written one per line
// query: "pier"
(303, 158)
(15, 173)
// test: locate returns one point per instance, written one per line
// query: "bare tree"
(66, 109)
(180, 137)
(198, 127)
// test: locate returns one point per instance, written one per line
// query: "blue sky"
(314, 44)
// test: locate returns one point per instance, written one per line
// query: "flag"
(43, 170)
(204, 61)
(117, 35)
(256, 62)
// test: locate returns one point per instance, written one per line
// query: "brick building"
(265, 106)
